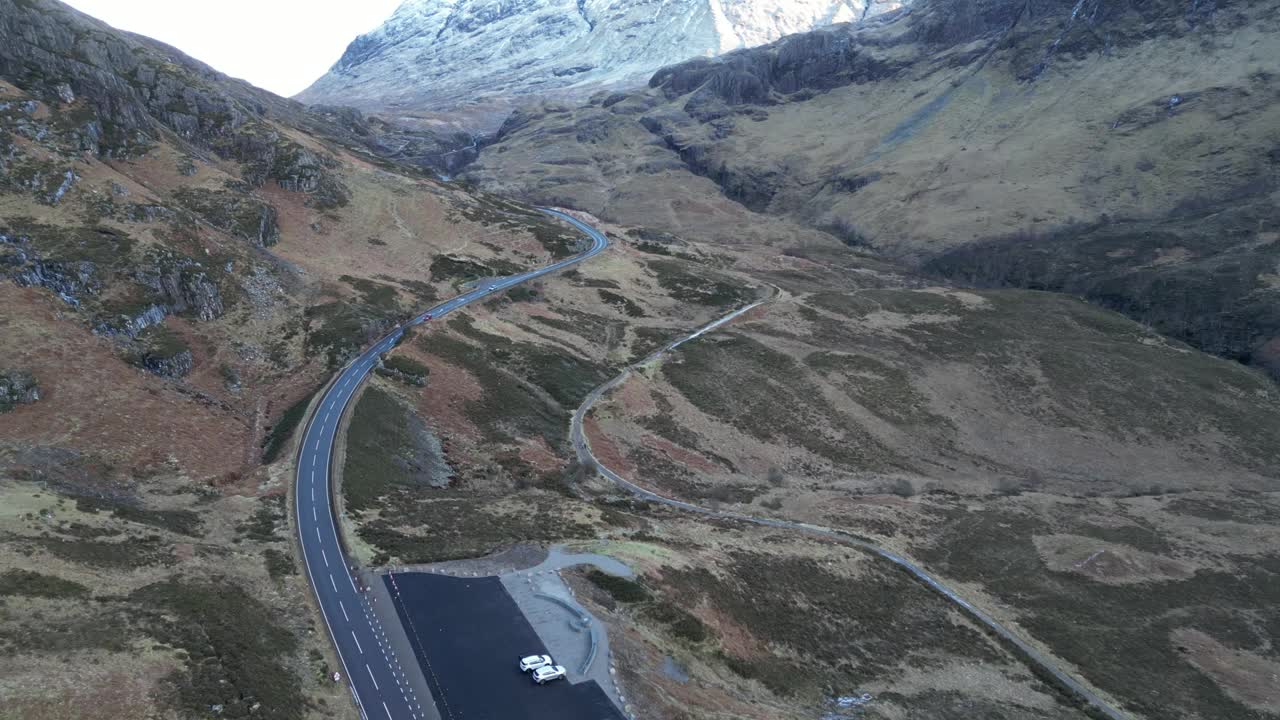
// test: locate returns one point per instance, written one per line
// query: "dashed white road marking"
(353, 637)
(318, 538)
(371, 677)
(344, 611)
(313, 514)
(384, 707)
(325, 555)
(334, 583)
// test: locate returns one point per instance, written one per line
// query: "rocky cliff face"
(1127, 151)
(471, 60)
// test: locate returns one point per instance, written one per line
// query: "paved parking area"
(468, 634)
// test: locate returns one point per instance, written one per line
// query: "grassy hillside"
(1125, 152)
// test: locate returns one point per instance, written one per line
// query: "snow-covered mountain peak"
(469, 61)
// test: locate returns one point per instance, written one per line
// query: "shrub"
(280, 433)
(622, 589)
(683, 625)
(279, 563)
(902, 487)
(34, 584)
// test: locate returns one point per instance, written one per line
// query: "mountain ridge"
(465, 63)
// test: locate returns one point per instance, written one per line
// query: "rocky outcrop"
(70, 280)
(268, 156)
(129, 324)
(818, 60)
(162, 352)
(244, 216)
(97, 273)
(442, 152)
(17, 387)
(931, 33)
(171, 366)
(116, 94)
(470, 61)
(184, 284)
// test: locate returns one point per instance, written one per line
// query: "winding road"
(1032, 657)
(369, 663)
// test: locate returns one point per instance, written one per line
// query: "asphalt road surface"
(469, 634)
(369, 664)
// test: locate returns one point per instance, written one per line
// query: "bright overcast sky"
(279, 45)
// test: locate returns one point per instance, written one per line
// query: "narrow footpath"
(1033, 658)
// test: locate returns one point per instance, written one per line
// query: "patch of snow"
(481, 57)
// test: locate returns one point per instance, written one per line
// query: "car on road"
(547, 673)
(533, 662)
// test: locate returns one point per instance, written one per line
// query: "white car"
(547, 673)
(533, 662)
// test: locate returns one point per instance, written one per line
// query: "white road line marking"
(384, 707)
(317, 445)
(371, 677)
(320, 539)
(326, 418)
(334, 583)
(313, 514)
(344, 611)
(325, 555)
(313, 494)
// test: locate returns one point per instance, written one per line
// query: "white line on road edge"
(354, 373)
(375, 680)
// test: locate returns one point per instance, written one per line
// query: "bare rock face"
(240, 214)
(128, 90)
(471, 60)
(17, 387)
(162, 352)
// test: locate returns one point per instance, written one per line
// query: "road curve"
(1032, 657)
(369, 664)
